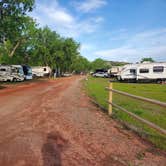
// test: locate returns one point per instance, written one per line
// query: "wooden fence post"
(110, 99)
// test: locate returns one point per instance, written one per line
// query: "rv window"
(45, 69)
(157, 69)
(133, 71)
(2, 69)
(14, 71)
(144, 70)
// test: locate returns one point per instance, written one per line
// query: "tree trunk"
(14, 49)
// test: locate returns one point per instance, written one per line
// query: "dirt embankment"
(53, 123)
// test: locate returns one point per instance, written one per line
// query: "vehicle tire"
(119, 78)
(159, 81)
(14, 80)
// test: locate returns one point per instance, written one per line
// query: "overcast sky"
(116, 30)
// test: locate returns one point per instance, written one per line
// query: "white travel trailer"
(41, 71)
(11, 73)
(143, 72)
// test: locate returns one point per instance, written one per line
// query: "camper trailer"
(27, 72)
(143, 72)
(114, 71)
(11, 73)
(41, 71)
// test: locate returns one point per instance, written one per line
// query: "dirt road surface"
(53, 123)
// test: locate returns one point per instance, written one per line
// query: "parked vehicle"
(11, 73)
(91, 73)
(41, 71)
(114, 71)
(143, 72)
(27, 72)
(17, 72)
(101, 74)
(67, 74)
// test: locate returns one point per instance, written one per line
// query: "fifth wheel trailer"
(41, 71)
(114, 71)
(143, 72)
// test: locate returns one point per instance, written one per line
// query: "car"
(67, 74)
(101, 74)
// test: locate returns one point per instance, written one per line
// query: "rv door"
(133, 73)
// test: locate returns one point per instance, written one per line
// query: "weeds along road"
(53, 123)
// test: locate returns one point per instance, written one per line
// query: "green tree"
(45, 47)
(70, 50)
(26, 46)
(22, 42)
(147, 59)
(50, 49)
(12, 24)
(99, 64)
(80, 64)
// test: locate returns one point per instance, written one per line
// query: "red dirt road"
(53, 123)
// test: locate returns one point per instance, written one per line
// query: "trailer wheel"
(159, 81)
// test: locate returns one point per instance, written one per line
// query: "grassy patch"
(96, 89)
(153, 91)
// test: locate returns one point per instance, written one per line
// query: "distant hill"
(116, 63)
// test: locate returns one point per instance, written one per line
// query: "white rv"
(143, 72)
(11, 73)
(41, 71)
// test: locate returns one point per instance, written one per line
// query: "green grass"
(153, 91)
(95, 88)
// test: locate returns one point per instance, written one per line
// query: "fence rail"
(152, 125)
(163, 104)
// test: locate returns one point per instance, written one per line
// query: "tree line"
(22, 41)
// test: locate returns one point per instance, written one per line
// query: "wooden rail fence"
(111, 104)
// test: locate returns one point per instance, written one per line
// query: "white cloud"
(61, 20)
(150, 43)
(148, 38)
(86, 47)
(53, 14)
(98, 19)
(89, 5)
(59, 16)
